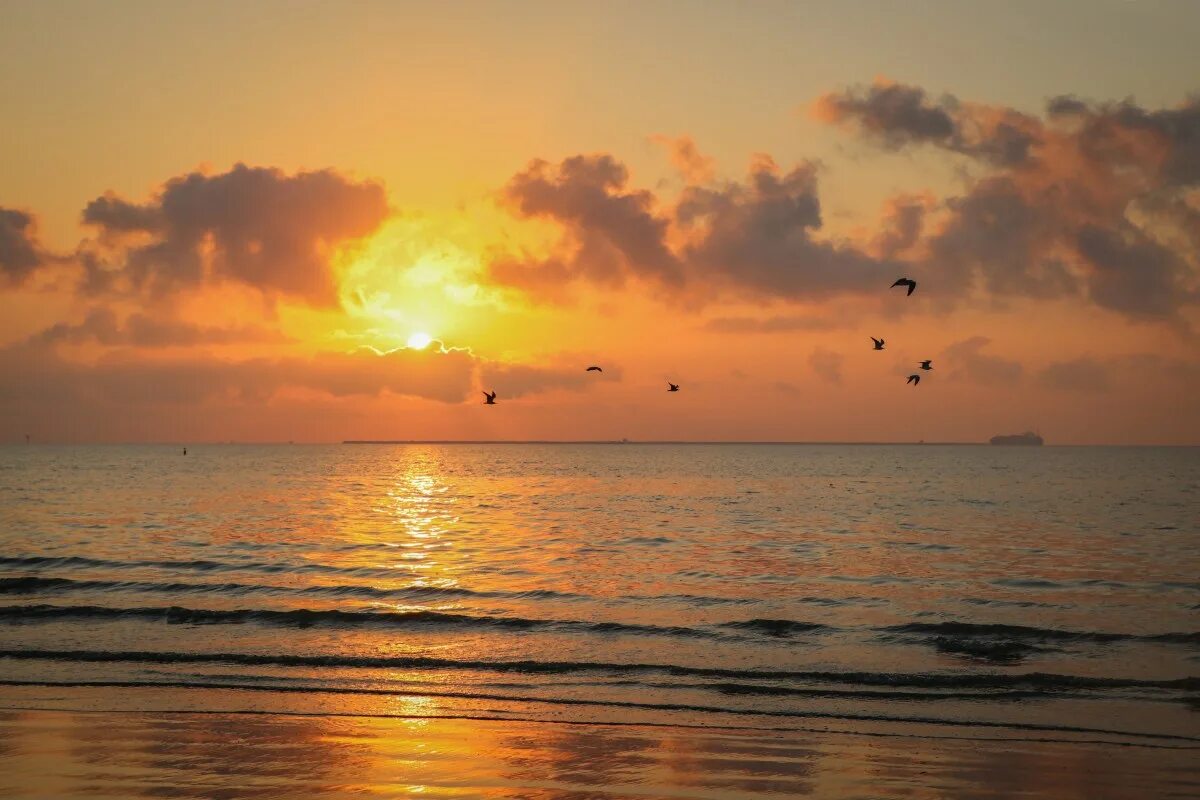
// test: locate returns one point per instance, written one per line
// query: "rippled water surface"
(600, 620)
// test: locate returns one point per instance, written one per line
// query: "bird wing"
(911, 286)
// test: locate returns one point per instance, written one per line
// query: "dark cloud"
(1131, 272)
(753, 237)
(897, 115)
(140, 330)
(1080, 375)
(998, 239)
(756, 237)
(255, 226)
(19, 251)
(966, 360)
(827, 364)
(903, 222)
(1095, 201)
(610, 231)
(1126, 132)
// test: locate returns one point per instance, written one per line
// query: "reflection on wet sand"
(227, 755)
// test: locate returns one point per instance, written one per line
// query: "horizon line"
(771, 442)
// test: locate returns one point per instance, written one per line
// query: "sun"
(419, 341)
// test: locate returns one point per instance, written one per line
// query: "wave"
(196, 565)
(305, 618)
(35, 584)
(592, 702)
(31, 584)
(777, 627)
(988, 641)
(1040, 681)
(1028, 633)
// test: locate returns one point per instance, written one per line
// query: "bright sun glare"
(419, 340)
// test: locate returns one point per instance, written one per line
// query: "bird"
(491, 398)
(673, 387)
(909, 282)
(593, 369)
(926, 364)
(913, 379)
(878, 343)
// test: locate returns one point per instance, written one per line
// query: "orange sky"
(223, 223)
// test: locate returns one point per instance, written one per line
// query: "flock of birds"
(914, 379)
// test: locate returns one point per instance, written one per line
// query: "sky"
(317, 221)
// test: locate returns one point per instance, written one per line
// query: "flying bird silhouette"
(913, 379)
(491, 398)
(593, 369)
(674, 387)
(878, 343)
(926, 364)
(909, 282)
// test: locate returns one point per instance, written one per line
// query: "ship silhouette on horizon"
(1026, 438)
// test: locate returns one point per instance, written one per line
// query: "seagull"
(909, 282)
(925, 364)
(674, 387)
(593, 369)
(491, 398)
(913, 379)
(878, 343)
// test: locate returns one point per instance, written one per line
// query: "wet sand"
(436, 749)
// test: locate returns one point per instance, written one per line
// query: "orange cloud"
(251, 225)
(692, 165)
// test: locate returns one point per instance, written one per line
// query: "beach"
(609, 620)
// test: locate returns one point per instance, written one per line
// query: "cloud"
(251, 225)
(610, 232)
(695, 167)
(139, 392)
(1092, 201)
(903, 222)
(897, 115)
(140, 330)
(1079, 375)
(827, 364)
(754, 238)
(20, 254)
(123, 379)
(1131, 273)
(967, 361)
(518, 380)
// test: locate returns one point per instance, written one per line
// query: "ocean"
(592, 621)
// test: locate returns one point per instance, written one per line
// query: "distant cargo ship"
(1028, 438)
